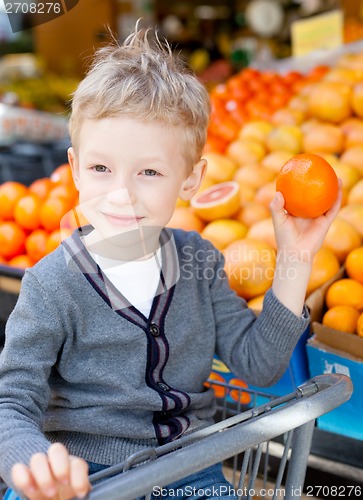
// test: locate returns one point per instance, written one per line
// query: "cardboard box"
(322, 358)
(296, 374)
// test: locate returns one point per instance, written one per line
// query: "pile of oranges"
(320, 113)
(344, 297)
(30, 217)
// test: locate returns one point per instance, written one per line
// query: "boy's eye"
(150, 172)
(100, 168)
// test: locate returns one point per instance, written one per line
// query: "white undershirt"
(136, 280)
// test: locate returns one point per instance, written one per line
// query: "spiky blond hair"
(142, 79)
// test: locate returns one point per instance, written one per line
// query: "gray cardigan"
(84, 367)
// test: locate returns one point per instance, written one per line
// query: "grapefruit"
(220, 201)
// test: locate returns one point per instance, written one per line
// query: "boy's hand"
(56, 476)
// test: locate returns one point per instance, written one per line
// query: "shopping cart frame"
(248, 432)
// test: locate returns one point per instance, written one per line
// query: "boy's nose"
(120, 196)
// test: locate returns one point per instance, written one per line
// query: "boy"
(112, 339)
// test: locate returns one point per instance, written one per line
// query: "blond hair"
(144, 80)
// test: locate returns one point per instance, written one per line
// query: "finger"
(43, 477)
(59, 462)
(23, 480)
(79, 477)
(279, 214)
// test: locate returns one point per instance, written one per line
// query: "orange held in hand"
(309, 185)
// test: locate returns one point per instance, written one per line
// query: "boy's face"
(130, 174)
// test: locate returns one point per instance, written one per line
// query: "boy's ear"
(73, 162)
(192, 182)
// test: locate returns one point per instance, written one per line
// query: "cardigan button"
(154, 330)
(163, 386)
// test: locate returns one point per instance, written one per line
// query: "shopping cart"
(243, 436)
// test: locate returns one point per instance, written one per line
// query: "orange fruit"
(254, 175)
(349, 175)
(257, 302)
(219, 390)
(222, 232)
(65, 191)
(239, 394)
(354, 264)
(21, 261)
(345, 292)
(276, 159)
(55, 238)
(353, 156)
(309, 185)
(342, 318)
(250, 266)
(12, 239)
(35, 244)
(330, 101)
(323, 137)
(185, 218)
(263, 230)
(357, 99)
(10, 193)
(243, 151)
(360, 325)
(354, 215)
(27, 211)
(355, 194)
(325, 266)
(217, 202)
(52, 211)
(62, 174)
(285, 137)
(220, 168)
(41, 187)
(251, 212)
(265, 194)
(256, 130)
(341, 238)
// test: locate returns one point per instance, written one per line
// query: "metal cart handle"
(297, 411)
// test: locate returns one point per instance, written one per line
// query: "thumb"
(278, 212)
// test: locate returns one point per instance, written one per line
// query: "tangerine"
(55, 238)
(354, 264)
(12, 239)
(35, 244)
(52, 211)
(342, 237)
(324, 267)
(219, 390)
(62, 174)
(238, 394)
(10, 193)
(185, 218)
(250, 266)
(342, 318)
(21, 261)
(345, 292)
(360, 325)
(222, 232)
(217, 202)
(41, 187)
(309, 185)
(27, 211)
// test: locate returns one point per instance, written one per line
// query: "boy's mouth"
(122, 220)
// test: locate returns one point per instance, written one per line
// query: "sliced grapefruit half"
(219, 201)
